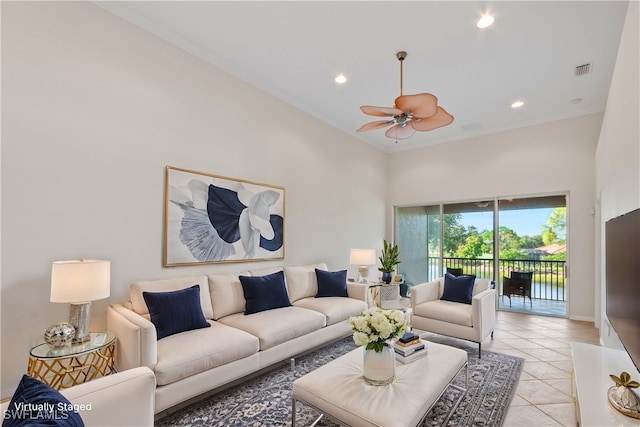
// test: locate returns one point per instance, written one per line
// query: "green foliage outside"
(555, 230)
(469, 242)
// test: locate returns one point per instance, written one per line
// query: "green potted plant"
(388, 260)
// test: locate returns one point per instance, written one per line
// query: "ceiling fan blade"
(441, 118)
(399, 132)
(380, 111)
(375, 125)
(420, 105)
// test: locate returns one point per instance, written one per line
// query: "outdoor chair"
(454, 271)
(518, 284)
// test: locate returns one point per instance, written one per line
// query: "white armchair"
(473, 322)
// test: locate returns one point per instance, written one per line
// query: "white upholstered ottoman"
(338, 390)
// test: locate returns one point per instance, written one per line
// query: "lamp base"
(363, 274)
(79, 317)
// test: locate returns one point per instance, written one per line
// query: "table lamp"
(363, 258)
(79, 282)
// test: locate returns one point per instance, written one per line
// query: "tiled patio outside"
(536, 306)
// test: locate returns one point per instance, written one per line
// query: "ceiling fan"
(411, 113)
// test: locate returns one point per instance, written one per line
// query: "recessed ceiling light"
(576, 100)
(517, 104)
(485, 21)
(340, 79)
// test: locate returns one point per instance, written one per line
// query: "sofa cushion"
(336, 309)
(56, 409)
(226, 293)
(188, 353)
(331, 283)
(273, 327)
(445, 311)
(264, 292)
(458, 288)
(175, 311)
(480, 285)
(139, 306)
(302, 281)
(264, 271)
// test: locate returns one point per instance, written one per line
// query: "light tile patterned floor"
(543, 396)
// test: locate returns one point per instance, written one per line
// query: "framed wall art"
(212, 219)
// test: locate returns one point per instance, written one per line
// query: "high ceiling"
(294, 50)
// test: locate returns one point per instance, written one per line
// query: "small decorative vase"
(379, 368)
(386, 277)
(404, 289)
(59, 335)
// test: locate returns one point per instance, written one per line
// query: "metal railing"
(549, 277)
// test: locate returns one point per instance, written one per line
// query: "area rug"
(266, 399)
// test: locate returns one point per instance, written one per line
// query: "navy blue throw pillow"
(331, 283)
(36, 404)
(458, 288)
(175, 311)
(264, 292)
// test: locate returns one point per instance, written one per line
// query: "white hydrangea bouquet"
(376, 326)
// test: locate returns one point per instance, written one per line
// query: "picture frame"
(215, 219)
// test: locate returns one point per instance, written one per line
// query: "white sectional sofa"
(190, 363)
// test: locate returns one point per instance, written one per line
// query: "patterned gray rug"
(266, 399)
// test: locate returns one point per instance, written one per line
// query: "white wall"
(618, 152)
(93, 109)
(552, 158)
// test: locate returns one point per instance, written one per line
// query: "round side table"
(71, 365)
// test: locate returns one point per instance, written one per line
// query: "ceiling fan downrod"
(401, 56)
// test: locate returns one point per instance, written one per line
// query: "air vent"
(471, 126)
(583, 69)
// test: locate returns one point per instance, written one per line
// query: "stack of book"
(409, 347)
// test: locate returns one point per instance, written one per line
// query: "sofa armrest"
(137, 343)
(122, 399)
(483, 311)
(424, 292)
(357, 290)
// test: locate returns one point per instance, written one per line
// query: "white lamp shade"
(362, 257)
(79, 281)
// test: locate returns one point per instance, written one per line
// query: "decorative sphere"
(59, 335)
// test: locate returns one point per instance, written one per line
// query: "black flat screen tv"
(622, 237)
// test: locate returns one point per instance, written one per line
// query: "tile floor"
(543, 396)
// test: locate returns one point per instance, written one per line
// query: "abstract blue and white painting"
(209, 218)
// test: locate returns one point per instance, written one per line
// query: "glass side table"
(75, 364)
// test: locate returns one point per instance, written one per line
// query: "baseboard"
(583, 318)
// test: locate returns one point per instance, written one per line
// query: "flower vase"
(379, 368)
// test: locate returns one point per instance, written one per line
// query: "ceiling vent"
(583, 69)
(471, 126)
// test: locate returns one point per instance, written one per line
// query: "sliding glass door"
(533, 240)
(418, 231)
(468, 238)
(490, 239)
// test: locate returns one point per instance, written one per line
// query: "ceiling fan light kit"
(410, 113)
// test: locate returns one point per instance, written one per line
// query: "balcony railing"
(549, 277)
